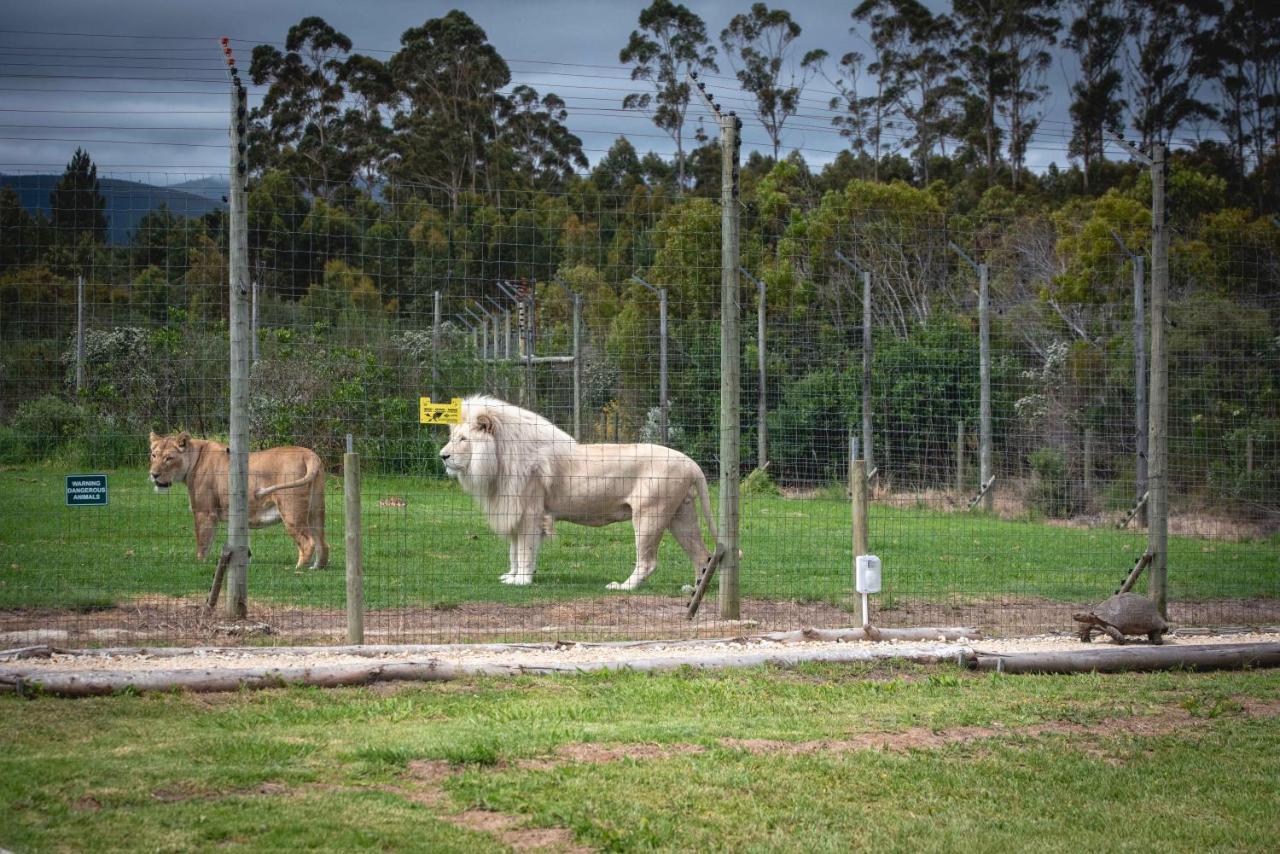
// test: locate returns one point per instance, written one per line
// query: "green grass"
(438, 551)
(333, 769)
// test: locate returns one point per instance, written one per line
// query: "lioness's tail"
(313, 470)
(705, 496)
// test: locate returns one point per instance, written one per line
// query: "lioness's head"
(170, 459)
(472, 449)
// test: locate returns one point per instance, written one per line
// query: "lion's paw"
(617, 585)
(518, 580)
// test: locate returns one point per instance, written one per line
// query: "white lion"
(526, 473)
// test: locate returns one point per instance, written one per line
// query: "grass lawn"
(436, 550)
(760, 760)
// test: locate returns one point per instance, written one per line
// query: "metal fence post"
(577, 367)
(1140, 385)
(662, 356)
(762, 410)
(984, 379)
(355, 555)
(866, 369)
(867, 453)
(1158, 435)
(435, 346)
(79, 335)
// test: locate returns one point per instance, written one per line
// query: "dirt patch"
(155, 620)
(430, 775)
(1164, 722)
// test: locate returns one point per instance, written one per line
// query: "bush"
(1053, 493)
(45, 425)
(13, 447)
(110, 448)
(759, 483)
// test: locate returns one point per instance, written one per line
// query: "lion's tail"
(705, 496)
(313, 470)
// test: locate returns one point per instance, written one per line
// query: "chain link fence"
(363, 302)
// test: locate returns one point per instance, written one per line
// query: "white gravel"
(570, 656)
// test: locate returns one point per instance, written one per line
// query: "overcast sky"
(139, 84)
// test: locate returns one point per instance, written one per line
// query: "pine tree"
(77, 203)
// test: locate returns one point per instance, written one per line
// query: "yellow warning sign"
(440, 413)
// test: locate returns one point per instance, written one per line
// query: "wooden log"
(85, 683)
(1134, 658)
(951, 633)
(1132, 578)
(1134, 511)
(704, 581)
(38, 651)
(973, 502)
(219, 573)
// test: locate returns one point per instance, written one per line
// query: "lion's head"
(472, 450)
(171, 458)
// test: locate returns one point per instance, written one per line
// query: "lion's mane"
(525, 445)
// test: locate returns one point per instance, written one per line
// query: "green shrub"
(1053, 493)
(46, 424)
(14, 449)
(759, 483)
(110, 448)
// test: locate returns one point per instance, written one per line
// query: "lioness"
(526, 473)
(285, 484)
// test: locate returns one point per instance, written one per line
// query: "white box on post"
(867, 578)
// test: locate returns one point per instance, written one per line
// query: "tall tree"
(365, 133)
(918, 44)
(534, 132)
(76, 203)
(758, 45)
(1165, 74)
(449, 79)
(1242, 57)
(1096, 36)
(861, 119)
(298, 126)
(671, 42)
(1031, 28)
(983, 61)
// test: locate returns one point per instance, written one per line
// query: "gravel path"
(570, 656)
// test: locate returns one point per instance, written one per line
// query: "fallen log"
(871, 633)
(1235, 656)
(85, 683)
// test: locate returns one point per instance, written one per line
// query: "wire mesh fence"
(582, 306)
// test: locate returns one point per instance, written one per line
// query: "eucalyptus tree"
(1095, 36)
(759, 44)
(449, 82)
(533, 129)
(364, 127)
(670, 42)
(1031, 28)
(1165, 74)
(918, 45)
(1242, 57)
(298, 126)
(982, 57)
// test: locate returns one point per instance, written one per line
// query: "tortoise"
(1123, 614)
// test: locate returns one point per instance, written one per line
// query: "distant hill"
(127, 201)
(216, 189)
